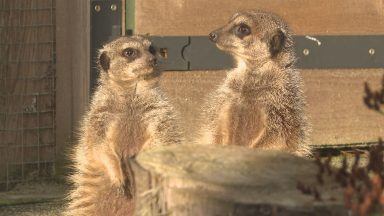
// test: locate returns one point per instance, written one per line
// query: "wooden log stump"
(213, 180)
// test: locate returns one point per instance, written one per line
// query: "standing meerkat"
(128, 113)
(261, 102)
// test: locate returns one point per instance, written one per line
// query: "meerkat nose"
(213, 36)
(153, 61)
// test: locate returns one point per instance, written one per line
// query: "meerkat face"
(253, 35)
(129, 58)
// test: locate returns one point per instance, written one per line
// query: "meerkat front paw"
(123, 190)
(114, 171)
(119, 187)
(123, 186)
(120, 190)
(118, 182)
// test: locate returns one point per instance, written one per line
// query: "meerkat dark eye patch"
(276, 42)
(242, 30)
(131, 53)
(104, 61)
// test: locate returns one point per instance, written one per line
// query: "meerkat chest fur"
(125, 116)
(250, 95)
(259, 86)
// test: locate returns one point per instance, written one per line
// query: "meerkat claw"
(121, 191)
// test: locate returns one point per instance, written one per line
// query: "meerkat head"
(255, 36)
(128, 58)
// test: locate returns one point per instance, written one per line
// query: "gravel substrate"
(36, 209)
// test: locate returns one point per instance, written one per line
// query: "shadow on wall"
(374, 99)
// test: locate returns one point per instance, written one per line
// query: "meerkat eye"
(130, 53)
(152, 50)
(243, 30)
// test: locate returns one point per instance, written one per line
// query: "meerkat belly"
(240, 124)
(132, 133)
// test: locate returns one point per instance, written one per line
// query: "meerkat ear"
(277, 42)
(104, 61)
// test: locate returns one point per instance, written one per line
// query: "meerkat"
(261, 102)
(128, 113)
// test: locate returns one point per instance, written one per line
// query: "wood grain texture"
(72, 54)
(213, 180)
(335, 105)
(335, 102)
(199, 17)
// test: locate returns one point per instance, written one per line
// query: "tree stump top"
(239, 176)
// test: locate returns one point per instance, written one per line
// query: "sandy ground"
(33, 199)
(36, 209)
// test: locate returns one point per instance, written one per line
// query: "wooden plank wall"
(199, 17)
(73, 68)
(335, 97)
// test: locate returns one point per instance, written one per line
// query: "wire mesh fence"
(27, 90)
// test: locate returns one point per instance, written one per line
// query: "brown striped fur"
(128, 113)
(261, 102)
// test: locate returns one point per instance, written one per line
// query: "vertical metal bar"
(53, 81)
(38, 133)
(7, 134)
(6, 113)
(19, 21)
(123, 17)
(105, 26)
(129, 16)
(22, 142)
(7, 184)
(25, 32)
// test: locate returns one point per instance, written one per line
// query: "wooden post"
(72, 72)
(209, 180)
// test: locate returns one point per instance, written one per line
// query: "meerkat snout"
(153, 61)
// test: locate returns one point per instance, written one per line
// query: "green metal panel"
(130, 16)
(321, 52)
(105, 26)
(325, 52)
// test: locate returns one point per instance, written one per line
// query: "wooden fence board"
(199, 17)
(335, 102)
